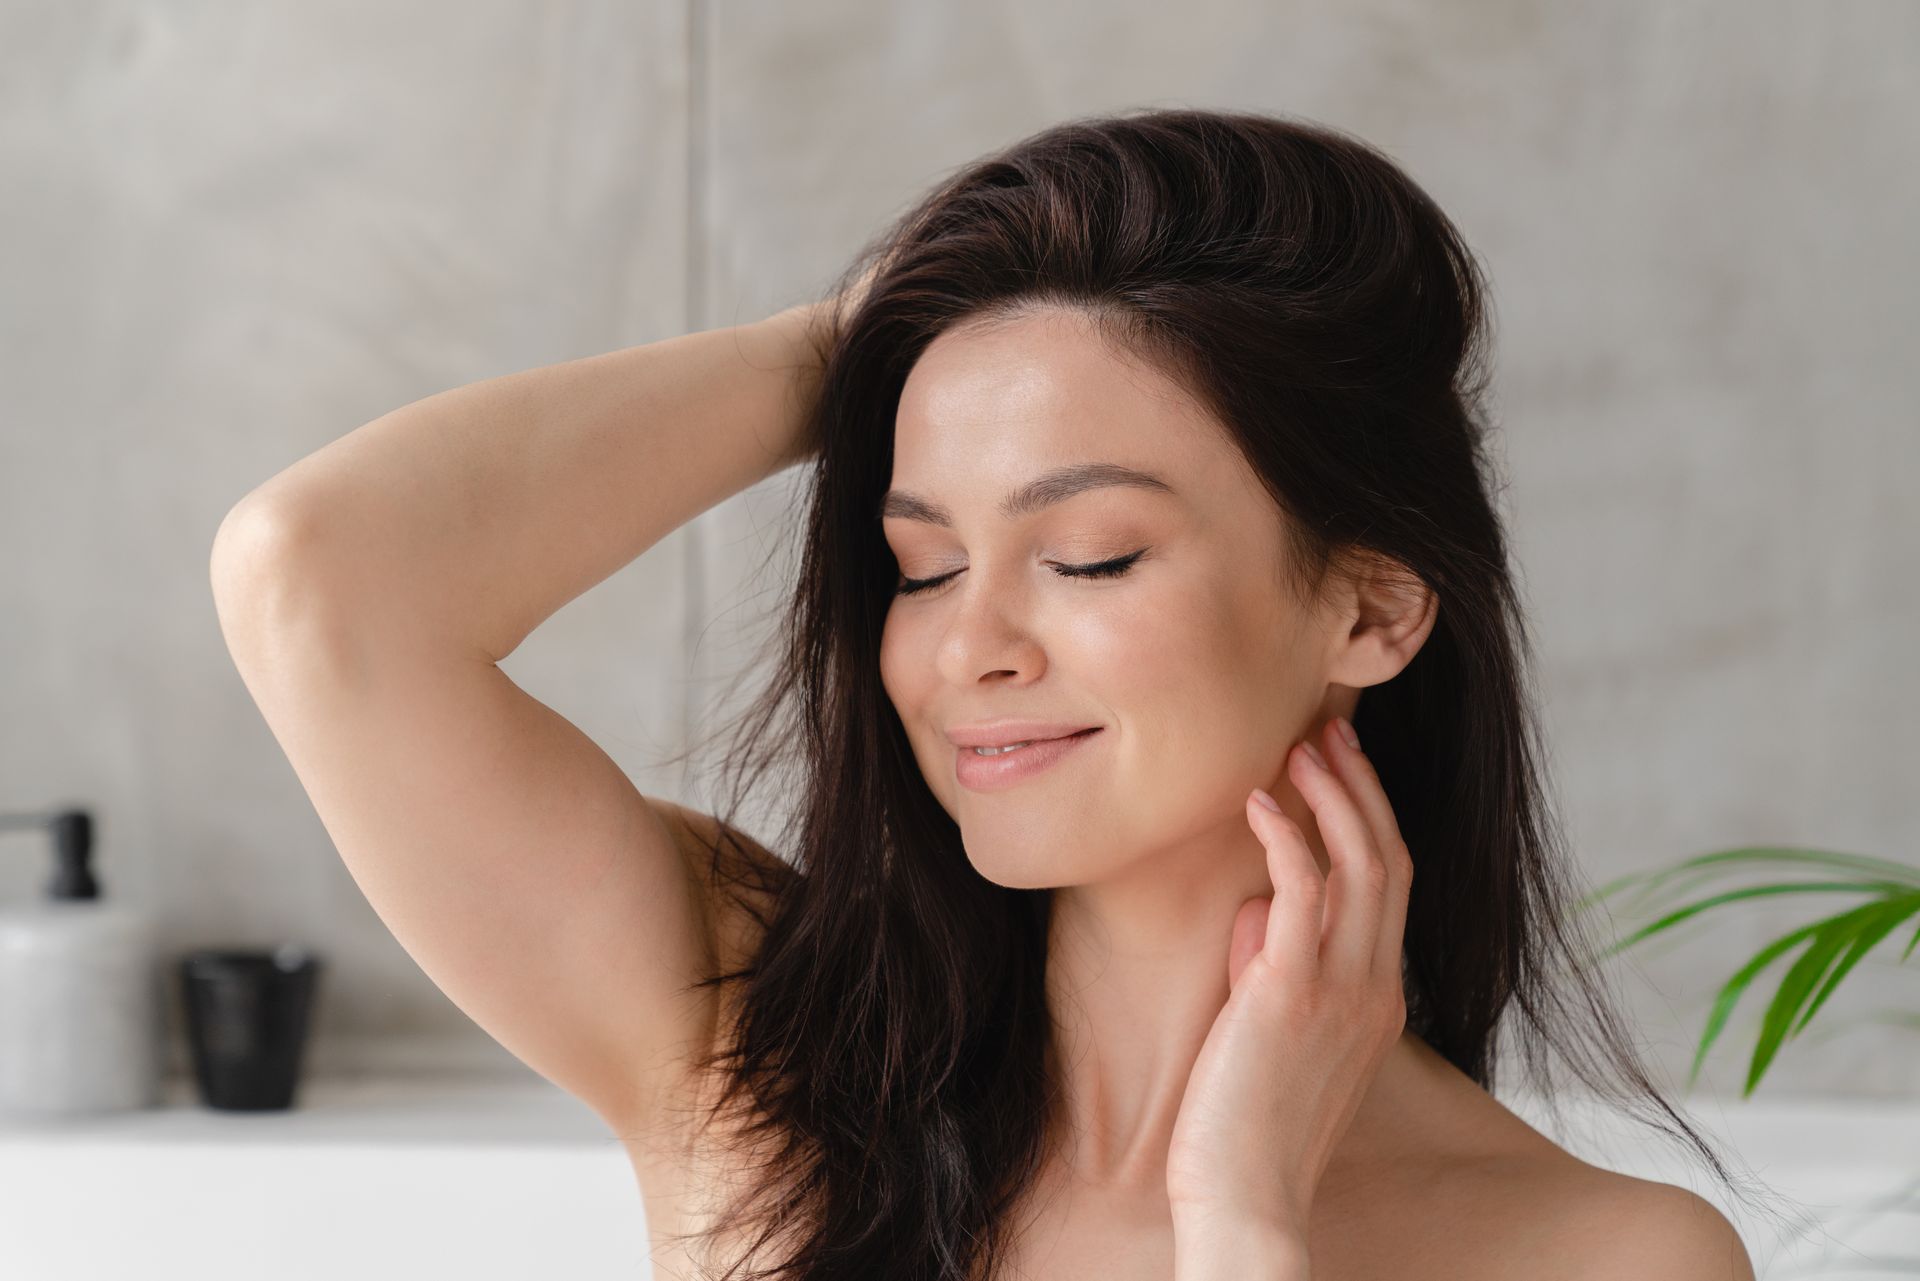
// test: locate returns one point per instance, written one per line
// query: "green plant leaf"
(1839, 942)
(1832, 1025)
(1736, 987)
(1874, 928)
(1830, 936)
(1734, 896)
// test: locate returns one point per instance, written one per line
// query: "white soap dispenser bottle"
(81, 1018)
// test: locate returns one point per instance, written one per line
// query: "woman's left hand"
(1314, 1005)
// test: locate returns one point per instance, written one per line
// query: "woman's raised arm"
(367, 593)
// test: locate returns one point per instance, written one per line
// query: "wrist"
(806, 327)
(793, 341)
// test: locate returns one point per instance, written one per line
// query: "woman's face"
(1193, 661)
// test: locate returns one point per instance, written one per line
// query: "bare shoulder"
(1475, 1191)
(1622, 1228)
(1527, 1214)
(1552, 1214)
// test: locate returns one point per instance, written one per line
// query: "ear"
(1384, 614)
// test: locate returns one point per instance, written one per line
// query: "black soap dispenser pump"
(81, 1022)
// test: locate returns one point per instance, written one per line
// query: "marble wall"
(233, 233)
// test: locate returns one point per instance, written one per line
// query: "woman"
(1153, 442)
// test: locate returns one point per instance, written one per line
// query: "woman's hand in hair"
(824, 317)
(1315, 1003)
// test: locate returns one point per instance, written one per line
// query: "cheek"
(1204, 674)
(1191, 638)
(910, 677)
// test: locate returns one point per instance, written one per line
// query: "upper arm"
(506, 852)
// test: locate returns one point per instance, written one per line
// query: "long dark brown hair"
(891, 1059)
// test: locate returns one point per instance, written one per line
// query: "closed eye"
(1100, 569)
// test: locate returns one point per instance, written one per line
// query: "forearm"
(476, 513)
(1251, 1253)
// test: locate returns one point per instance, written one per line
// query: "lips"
(982, 748)
(994, 773)
(1003, 732)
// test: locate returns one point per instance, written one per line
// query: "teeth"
(995, 751)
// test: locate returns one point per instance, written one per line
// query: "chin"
(1021, 868)
(1019, 877)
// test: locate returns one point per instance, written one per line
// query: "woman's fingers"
(1353, 767)
(1357, 877)
(1354, 915)
(1363, 784)
(1292, 936)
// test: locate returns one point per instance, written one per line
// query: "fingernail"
(1259, 794)
(1314, 752)
(1345, 727)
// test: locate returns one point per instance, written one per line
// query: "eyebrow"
(1042, 491)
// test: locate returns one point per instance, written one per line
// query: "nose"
(988, 634)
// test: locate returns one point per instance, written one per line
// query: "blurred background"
(233, 233)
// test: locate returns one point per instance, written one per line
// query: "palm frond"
(1831, 935)
(1733, 896)
(1875, 927)
(1835, 944)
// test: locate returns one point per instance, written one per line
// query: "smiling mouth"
(1014, 747)
(991, 771)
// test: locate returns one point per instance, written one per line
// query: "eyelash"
(1101, 569)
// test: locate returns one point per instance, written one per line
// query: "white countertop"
(412, 1110)
(417, 1176)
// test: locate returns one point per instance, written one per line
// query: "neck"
(1136, 973)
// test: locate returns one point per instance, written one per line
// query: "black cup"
(247, 1014)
